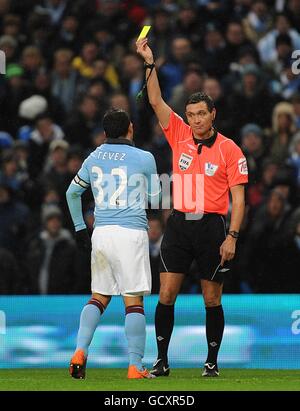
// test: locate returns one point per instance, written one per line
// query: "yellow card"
(144, 32)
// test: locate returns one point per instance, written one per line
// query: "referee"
(205, 162)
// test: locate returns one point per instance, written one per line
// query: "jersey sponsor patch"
(242, 164)
(210, 169)
(185, 161)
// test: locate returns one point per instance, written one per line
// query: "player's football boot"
(135, 373)
(210, 370)
(160, 369)
(78, 365)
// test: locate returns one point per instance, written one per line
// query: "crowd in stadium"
(68, 61)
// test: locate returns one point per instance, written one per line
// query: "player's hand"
(83, 241)
(144, 50)
(227, 249)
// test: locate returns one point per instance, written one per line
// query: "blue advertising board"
(262, 331)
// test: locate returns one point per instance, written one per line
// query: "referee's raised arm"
(160, 107)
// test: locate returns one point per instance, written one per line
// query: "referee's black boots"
(160, 369)
(210, 370)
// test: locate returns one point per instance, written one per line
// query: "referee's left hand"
(227, 249)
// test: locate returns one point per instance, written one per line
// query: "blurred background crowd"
(68, 61)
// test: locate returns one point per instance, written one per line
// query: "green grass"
(179, 380)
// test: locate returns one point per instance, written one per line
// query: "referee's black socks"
(214, 331)
(164, 323)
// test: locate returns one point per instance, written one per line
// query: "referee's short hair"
(116, 123)
(200, 96)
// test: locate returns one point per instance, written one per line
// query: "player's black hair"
(116, 123)
(200, 96)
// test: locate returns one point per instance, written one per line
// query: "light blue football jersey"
(123, 179)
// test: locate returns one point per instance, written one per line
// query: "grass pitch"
(179, 380)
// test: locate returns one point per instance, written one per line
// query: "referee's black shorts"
(185, 240)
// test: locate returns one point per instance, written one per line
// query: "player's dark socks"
(164, 323)
(214, 332)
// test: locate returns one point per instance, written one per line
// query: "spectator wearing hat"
(283, 128)
(56, 174)
(252, 144)
(31, 107)
(6, 141)
(8, 44)
(28, 110)
(50, 260)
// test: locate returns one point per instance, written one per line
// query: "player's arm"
(73, 195)
(227, 249)
(160, 107)
(78, 186)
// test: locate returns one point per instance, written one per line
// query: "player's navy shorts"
(185, 240)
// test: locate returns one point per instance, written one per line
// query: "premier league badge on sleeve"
(185, 161)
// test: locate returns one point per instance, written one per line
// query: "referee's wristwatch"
(234, 234)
